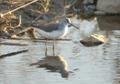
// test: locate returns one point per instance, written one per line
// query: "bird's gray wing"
(46, 28)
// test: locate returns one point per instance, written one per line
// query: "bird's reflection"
(53, 64)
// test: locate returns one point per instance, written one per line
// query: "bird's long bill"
(74, 26)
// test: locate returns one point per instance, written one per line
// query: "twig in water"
(12, 53)
(12, 44)
(42, 39)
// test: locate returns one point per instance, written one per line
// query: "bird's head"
(69, 22)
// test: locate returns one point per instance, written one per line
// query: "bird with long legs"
(54, 31)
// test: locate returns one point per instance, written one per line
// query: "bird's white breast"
(54, 34)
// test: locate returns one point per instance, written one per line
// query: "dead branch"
(12, 44)
(12, 53)
(9, 12)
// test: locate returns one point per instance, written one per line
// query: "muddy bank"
(109, 22)
(47, 12)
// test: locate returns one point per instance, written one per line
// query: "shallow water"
(89, 65)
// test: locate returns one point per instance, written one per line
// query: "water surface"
(89, 65)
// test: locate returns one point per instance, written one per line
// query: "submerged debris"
(94, 40)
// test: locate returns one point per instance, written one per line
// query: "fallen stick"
(41, 39)
(12, 44)
(12, 53)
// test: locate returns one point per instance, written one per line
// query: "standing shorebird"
(54, 31)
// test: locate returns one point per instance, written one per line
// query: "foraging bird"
(54, 31)
(54, 64)
(94, 40)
